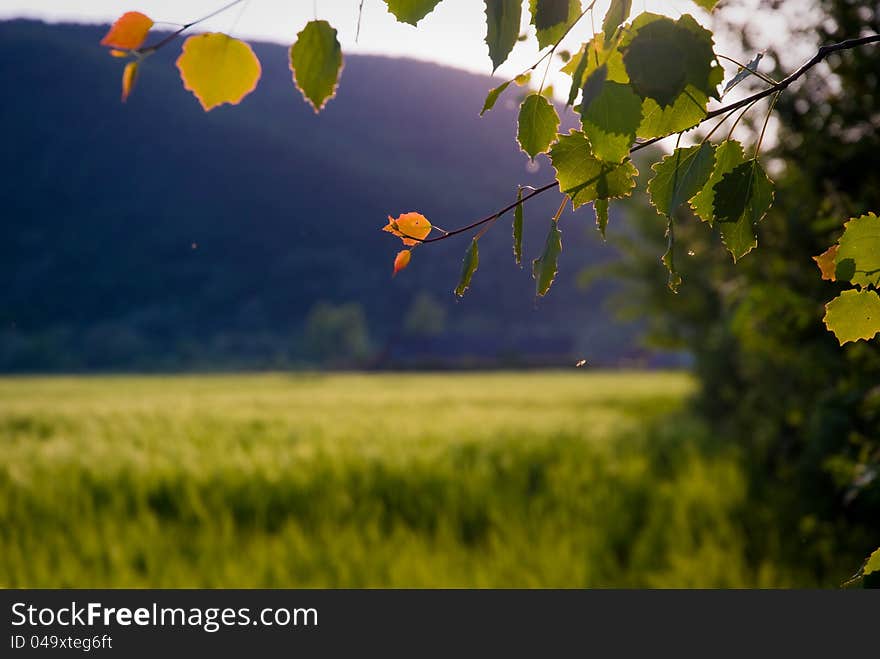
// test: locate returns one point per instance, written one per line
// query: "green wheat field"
(425, 480)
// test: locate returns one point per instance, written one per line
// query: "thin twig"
(171, 37)
(357, 33)
(781, 86)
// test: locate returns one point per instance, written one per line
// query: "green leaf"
(663, 57)
(411, 11)
(593, 87)
(680, 176)
(687, 111)
(502, 28)
(518, 228)
(742, 198)
(617, 13)
(673, 279)
(594, 54)
(728, 155)
(854, 315)
(537, 125)
(492, 97)
(873, 564)
(703, 71)
(551, 18)
(583, 177)
(611, 120)
(545, 267)
(738, 237)
(468, 268)
(600, 206)
(577, 76)
(316, 60)
(858, 259)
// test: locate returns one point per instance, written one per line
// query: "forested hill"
(151, 235)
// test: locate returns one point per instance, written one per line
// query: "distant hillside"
(154, 236)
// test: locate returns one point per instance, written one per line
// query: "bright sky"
(452, 34)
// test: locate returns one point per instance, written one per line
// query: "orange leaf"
(128, 32)
(409, 227)
(827, 262)
(401, 260)
(218, 69)
(119, 53)
(129, 75)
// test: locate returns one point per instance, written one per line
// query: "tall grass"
(527, 479)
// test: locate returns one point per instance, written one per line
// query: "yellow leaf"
(401, 260)
(128, 32)
(411, 228)
(827, 262)
(129, 75)
(218, 69)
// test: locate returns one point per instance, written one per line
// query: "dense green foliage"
(566, 479)
(773, 380)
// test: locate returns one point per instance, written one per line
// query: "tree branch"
(779, 87)
(171, 37)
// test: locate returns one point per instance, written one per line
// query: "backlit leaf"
(600, 206)
(583, 177)
(129, 76)
(502, 28)
(673, 279)
(577, 76)
(680, 176)
(545, 267)
(593, 87)
(827, 262)
(218, 69)
(738, 237)
(854, 315)
(871, 571)
(594, 54)
(872, 565)
(492, 97)
(411, 228)
(518, 228)
(742, 198)
(316, 62)
(551, 18)
(537, 125)
(411, 11)
(611, 120)
(617, 13)
(728, 155)
(468, 267)
(401, 260)
(128, 32)
(688, 110)
(663, 57)
(858, 259)
(738, 190)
